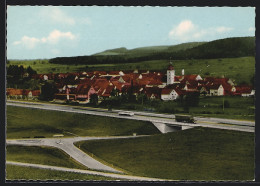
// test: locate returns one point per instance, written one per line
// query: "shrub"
(39, 136)
(206, 112)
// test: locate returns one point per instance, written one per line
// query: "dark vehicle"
(184, 118)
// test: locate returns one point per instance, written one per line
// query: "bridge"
(164, 122)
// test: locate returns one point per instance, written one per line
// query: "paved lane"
(226, 124)
(67, 145)
(112, 175)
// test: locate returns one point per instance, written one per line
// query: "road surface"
(67, 145)
(112, 175)
(227, 124)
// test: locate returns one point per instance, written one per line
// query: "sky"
(44, 32)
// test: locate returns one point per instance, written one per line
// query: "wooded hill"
(223, 48)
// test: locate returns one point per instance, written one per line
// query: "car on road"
(125, 113)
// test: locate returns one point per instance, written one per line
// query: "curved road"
(67, 145)
(112, 175)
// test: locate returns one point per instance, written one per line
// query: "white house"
(248, 94)
(169, 94)
(216, 90)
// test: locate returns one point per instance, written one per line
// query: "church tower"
(170, 74)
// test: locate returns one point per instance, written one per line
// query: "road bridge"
(165, 123)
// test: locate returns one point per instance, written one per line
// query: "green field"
(41, 155)
(240, 69)
(30, 123)
(195, 154)
(43, 66)
(242, 108)
(14, 172)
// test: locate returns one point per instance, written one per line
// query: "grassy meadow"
(14, 172)
(30, 123)
(240, 69)
(194, 154)
(41, 155)
(241, 108)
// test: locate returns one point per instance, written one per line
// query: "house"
(22, 93)
(33, 94)
(84, 92)
(204, 90)
(170, 93)
(244, 90)
(153, 92)
(216, 90)
(192, 77)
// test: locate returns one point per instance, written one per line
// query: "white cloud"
(223, 29)
(29, 42)
(56, 15)
(183, 30)
(57, 35)
(188, 31)
(53, 38)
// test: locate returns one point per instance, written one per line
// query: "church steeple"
(170, 67)
(170, 74)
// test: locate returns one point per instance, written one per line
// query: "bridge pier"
(164, 128)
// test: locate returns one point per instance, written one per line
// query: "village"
(80, 86)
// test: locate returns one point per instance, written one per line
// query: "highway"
(227, 124)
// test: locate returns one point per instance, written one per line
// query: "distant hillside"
(223, 48)
(144, 51)
(116, 51)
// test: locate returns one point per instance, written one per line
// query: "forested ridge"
(223, 48)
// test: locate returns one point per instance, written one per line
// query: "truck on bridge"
(184, 118)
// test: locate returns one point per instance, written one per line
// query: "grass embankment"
(30, 123)
(241, 69)
(14, 172)
(195, 154)
(242, 108)
(41, 155)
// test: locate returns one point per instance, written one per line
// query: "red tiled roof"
(180, 92)
(83, 89)
(214, 86)
(25, 92)
(243, 89)
(166, 90)
(36, 92)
